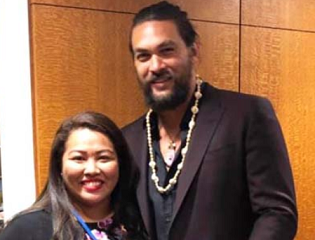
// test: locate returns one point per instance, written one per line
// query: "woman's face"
(90, 168)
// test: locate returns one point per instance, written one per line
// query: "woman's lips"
(92, 185)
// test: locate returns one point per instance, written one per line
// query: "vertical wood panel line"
(240, 48)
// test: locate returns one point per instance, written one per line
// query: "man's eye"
(167, 51)
(142, 57)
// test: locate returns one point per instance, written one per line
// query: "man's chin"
(161, 104)
(161, 96)
(166, 100)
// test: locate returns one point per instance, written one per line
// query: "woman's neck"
(93, 213)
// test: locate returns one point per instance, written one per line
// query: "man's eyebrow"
(161, 45)
(140, 50)
(167, 43)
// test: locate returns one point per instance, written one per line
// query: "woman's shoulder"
(32, 225)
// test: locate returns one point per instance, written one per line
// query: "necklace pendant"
(172, 145)
(169, 157)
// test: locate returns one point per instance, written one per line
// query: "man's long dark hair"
(164, 11)
(55, 199)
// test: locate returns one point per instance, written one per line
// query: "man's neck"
(170, 120)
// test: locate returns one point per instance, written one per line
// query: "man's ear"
(195, 53)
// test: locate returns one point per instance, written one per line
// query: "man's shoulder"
(134, 127)
(233, 98)
(232, 94)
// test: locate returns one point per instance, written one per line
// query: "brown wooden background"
(80, 60)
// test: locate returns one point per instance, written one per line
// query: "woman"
(90, 192)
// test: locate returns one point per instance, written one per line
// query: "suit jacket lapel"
(207, 121)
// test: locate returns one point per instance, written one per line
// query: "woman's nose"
(91, 167)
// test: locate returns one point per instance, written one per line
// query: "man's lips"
(161, 79)
(160, 83)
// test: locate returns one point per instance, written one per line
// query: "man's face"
(164, 64)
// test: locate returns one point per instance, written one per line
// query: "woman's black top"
(30, 226)
(38, 226)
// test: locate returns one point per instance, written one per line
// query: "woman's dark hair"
(164, 11)
(123, 198)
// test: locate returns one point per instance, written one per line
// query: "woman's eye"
(77, 158)
(106, 158)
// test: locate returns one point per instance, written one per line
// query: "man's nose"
(156, 64)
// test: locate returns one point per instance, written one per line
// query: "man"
(213, 163)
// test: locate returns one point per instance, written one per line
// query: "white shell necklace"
(184, 150)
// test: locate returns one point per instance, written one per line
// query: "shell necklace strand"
(191, 125)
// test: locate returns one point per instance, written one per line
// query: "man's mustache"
(159, 76)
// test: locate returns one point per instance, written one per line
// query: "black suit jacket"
(236, 183)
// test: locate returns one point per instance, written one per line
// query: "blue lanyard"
(83, 225)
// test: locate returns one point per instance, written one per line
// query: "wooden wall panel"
(81, 61)
(214, 10)
(291, 14)
(280, 65)
(219, 54)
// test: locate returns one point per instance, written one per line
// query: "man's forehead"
(155, 26)
(155, 33)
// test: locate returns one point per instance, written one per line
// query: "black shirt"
(163, 203)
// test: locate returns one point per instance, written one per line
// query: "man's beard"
(178, 95)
